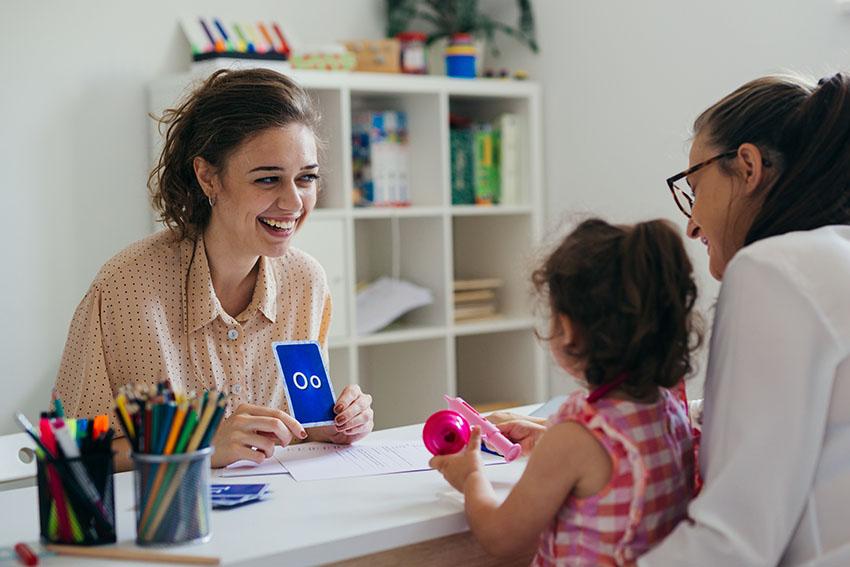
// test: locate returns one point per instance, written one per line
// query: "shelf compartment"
(425, 117)
(333, 161)
(480, 110)
(497, 369)
(406, 380)
(339, 368)
(324, 239)
(415, 248)
(476, 255)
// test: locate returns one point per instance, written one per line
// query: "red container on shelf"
(413, 52)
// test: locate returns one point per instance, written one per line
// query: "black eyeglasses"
(682, 195)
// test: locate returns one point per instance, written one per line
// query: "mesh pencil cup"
(173, 501)
(76, 499)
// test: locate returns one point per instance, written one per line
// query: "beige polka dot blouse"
(152, 314)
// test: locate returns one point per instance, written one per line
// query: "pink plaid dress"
(651, 482)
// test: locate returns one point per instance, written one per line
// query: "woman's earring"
(211, 199)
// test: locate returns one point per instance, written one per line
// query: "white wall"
(623, 82)
(74, 151)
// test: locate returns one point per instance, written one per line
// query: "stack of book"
(475, 299)
(379, 152)
(485, 161)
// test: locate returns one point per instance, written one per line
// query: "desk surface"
(301, 523)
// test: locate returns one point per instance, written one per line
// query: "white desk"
(302, 523)
(16, 469)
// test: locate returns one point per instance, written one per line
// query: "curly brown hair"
(629, 294)
(227, 109)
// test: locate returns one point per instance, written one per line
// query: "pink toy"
(447, 431)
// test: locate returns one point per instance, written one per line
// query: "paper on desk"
(385, 300)
(322, 461)
(271, 465)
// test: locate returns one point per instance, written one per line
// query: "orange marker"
(268, 37)
(101, 425)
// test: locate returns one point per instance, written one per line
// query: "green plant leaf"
(447, 17)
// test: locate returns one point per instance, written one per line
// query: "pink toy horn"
(445, 433)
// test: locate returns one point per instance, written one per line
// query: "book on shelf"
(380, 159)
(509, 128)
(486, 164)
(481, 283)
(468, 313)
(475, 299)
(463, 180)
(474, 296)
(485, 161)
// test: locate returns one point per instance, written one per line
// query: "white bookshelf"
(408, 367)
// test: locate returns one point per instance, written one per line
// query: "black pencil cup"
(76, 499)
(173, 503)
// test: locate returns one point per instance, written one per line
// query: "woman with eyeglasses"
(768, 193)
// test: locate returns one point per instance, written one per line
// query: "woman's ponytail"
(814, 188)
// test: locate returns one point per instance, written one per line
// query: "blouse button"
(232, 334)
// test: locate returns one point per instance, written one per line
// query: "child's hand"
(522, 431)
(456, 468)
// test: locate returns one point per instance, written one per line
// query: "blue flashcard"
(306, 382)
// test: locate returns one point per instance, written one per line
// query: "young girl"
(613, 472)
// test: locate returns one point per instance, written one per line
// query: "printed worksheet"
(322, 461)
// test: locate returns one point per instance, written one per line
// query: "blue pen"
(223, 34)
(207, 31)
(486, 449)
(82, 431)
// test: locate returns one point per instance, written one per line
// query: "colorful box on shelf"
(330, 58)
(380, 159)
(376, 56)
(211, 38)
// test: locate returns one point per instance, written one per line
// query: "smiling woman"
(770, 182)
(201, 302)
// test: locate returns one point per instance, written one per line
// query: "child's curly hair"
(629, 293)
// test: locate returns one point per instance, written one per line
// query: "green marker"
(57, 405)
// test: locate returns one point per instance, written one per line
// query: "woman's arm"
(82, 382)
(567, 459)
(771, 367)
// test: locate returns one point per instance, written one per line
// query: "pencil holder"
(76, 499)
(172, 497)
